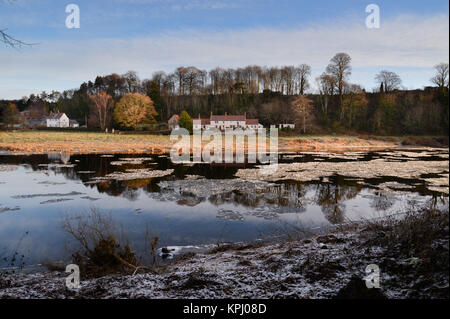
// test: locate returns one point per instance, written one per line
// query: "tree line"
(272, 94)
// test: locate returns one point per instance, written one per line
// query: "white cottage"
(57, 120)
(226, 121)
(287, 125)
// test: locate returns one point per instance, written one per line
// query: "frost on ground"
(412, 254)
(314, 171)
(132, 174)
(8, 168)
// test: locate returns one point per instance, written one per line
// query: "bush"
(102, 252)
(186, 121)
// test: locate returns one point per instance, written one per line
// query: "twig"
(12, 42)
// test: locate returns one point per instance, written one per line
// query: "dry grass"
(429, 141)
(412, 235)
(78, 142)
(90, 142)
(104, 249)
(332, 143)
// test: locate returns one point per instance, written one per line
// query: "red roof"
(228, 117)
(203, 121)
(252, 121)
(173, 118)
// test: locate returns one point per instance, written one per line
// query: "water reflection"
(192, 185)
(330, 198)
(196, 204)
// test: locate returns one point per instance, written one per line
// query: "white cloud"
(404, 42)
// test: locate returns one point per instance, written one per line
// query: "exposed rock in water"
(132, 174)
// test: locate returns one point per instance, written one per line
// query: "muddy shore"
(412, 258)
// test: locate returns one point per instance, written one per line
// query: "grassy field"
(89, 142)
(81, 142)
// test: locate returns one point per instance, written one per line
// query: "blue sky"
(151, 35)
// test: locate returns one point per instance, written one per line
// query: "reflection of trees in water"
(436, 201)
(191, 202)
(383, 201)
(131, 194)
(330, 197)
(62, 157)
(138, 183)
(289, 195)
(127, 189)
(111, 187)
(213, 171)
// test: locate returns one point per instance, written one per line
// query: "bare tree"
(326, 84)
(159, 77)
(441, 77)
(216, 78)
(303, 73)
(194, 80)
(288, 76)
(101, 107)
(340, 68)
(389, 80)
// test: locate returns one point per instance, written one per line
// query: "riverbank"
(412, 254)
(90, 142)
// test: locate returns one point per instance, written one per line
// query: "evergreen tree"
(186, 121)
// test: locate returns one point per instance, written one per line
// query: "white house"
(174, 122)
(74, 124)
(201, 124)
(228, 121)
(57, 120)
(286, 125)
(222, 122)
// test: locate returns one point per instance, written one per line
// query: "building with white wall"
(226, 121)
(57, 120)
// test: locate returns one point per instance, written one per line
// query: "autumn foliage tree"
(303, 107)
(134, 109)
(353, 104)
(100, 109)
(11, 114)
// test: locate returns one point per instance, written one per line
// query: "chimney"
(226, 113)
(245, 115)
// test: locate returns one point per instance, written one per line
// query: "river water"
(188, 207)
